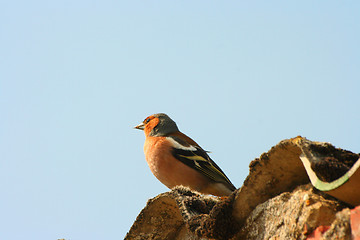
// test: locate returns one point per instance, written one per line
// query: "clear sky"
(236, 76)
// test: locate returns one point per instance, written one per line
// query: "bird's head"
(158, 125)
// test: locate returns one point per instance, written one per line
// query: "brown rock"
(289, 215)
(276, 201)
(340, 228)
(162, 219)
(279, 170)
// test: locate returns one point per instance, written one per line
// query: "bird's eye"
(147, 120)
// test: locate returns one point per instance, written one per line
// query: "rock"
(276, 201)
(290, 215)
(185, 214)
(279, 170)
(162, 219)
(340, 228)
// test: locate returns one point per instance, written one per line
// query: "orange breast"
(167, 169)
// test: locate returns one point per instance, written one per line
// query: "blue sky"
(236, 76)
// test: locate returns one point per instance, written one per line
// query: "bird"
(175, 159)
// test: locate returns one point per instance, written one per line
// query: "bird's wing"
(198, 159)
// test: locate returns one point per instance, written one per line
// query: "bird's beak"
(141, 126)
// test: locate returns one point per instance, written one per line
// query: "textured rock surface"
(276, 201)
(279, 170)
(340, 228)
(184, 214)
(289, 215)
(162, 219)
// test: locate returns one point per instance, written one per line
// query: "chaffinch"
(175, 159)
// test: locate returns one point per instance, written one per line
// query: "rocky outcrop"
(290, 215)
(276, 201)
